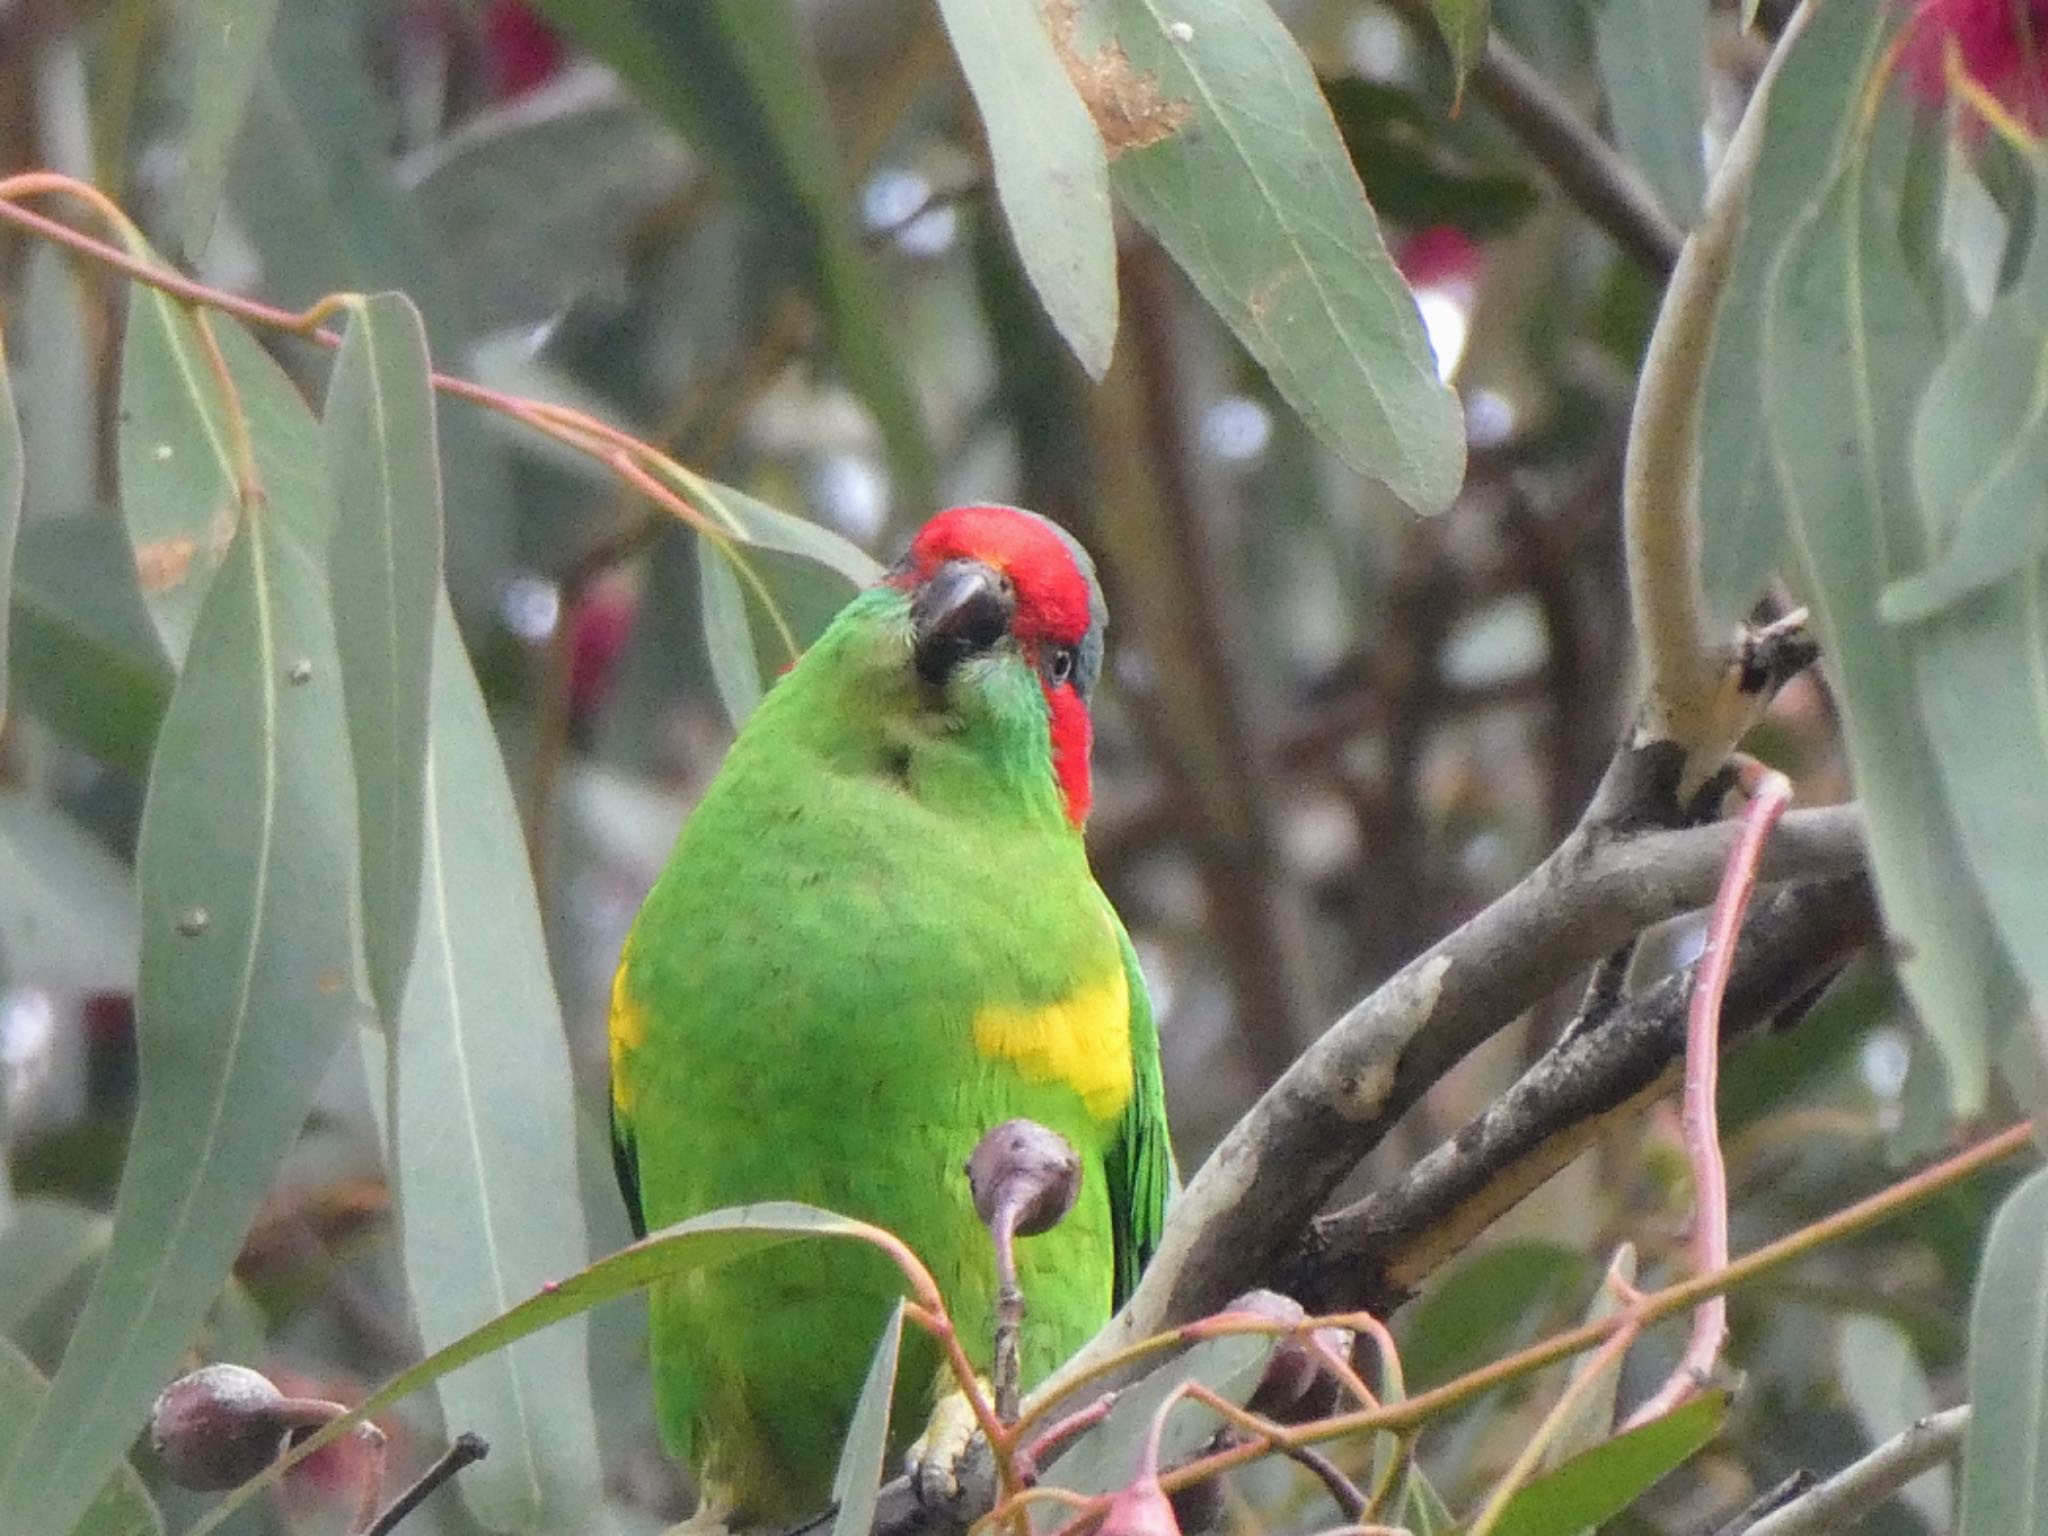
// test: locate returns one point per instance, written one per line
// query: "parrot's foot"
(951, 1460)
(708, 1519)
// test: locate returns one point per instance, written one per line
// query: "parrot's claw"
(708, 1519)
(951, 1458)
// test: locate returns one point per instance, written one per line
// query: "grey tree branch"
(1686, 667)
(1244, 1211)
(1860, 1487)
(1375, 1252)
(1587, 169)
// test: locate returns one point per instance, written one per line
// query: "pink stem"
(1769, 793)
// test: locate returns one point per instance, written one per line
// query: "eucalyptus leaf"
(755, 522)
(1846, 349)
(702, 1242)
(1465, 25)
(1653, 63)
(483, 1134)
(86, 661)
(1051, 173)
(45, 1245)
(228, 38)
(246, 863)
(122, 1506)
(2005, 1474)
(1809, 112)
(1476, 1310)
(1886, 1385)
(1597, 1485)
(731, 76)
(11, 486)
(1105, 1457)
(67, 906)
(1233, 162)
(858, 1478)
(728, 635)
(384, 470)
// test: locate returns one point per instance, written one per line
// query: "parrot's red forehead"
(1053, 592)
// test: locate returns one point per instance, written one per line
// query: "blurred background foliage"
(765, 236)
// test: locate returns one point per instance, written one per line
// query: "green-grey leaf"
(1980, 450)
(1885, 1384)
(702, 1242)
(728, 635)
(1424, 1508)
(483, 1134)
(324, 215)
(228, 37)
(1653, 64)
(1591, 1419)
(858, 1478)
(44, 1245)
(755, 522)
(1474, 1312)
(733, 79)
(1051, 173)
(1809, 112)
(2005, 1450)
(1847, 347)
(177, 474)
(1465, 25)
(1104, 1457)
(11, 485)
(122, 1506)
(87, 662)
(605, 162)
(384, 568)
(246, 863)
(1596, 1485)
(67, 905)
(1251, 192)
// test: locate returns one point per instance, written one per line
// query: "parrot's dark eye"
(1059, 664)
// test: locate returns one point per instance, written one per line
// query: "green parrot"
(877, 938)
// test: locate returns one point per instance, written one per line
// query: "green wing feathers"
(1140, 1159)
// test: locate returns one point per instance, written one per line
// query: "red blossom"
(524, 51)
(2002, 44)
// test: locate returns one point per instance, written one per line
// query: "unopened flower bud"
(222, 1424)
(1297, 1384)
(1024, 1174)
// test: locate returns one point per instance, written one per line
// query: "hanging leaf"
(11, 484)
(227, 39)
(858, 1479)
(67, 906)
(728, 634)
(755, 522)
(483, 1135)
(1885, 1384)
(1807, 116)
(1051, 174)
(1465, 25)
(383, 466)
(1846, 348)
(246, 864)
(1103, 1458)
(1599, 1484)
(1478, 1309)
(1230, 157)
(702, 1242)
(732, 78)
(87, 662)
(2005, 1476)
(123, 1506)
(1653, 64)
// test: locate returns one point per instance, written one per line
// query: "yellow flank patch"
(628, 1029)
(1084, 1041)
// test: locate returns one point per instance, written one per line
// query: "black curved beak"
(963, 610)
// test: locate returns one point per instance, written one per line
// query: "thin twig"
(469, 1447)
(1770, 792)
(1860, 1487)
